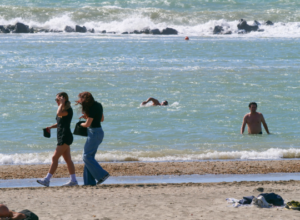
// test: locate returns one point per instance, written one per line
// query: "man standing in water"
(254, 120)
(155, 102)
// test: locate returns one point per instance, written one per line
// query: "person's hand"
(48, 129)
(17, 215)
(144, 103)
(62, 100)
(83, 116)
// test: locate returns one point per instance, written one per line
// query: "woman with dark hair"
(93, 113)
(64, 116)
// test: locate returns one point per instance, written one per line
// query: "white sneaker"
(71, 183)
(44, 182)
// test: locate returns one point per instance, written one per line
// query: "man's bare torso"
(254, 121)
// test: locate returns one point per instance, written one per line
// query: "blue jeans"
(92, 169)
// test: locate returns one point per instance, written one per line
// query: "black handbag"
(79, 130)
(47, 133)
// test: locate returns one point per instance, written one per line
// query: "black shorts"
(68, 140)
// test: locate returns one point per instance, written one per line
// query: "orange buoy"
(186, 38)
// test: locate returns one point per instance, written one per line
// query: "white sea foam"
(45, 158)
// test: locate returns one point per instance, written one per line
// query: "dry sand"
(162, 168)
(150, 201)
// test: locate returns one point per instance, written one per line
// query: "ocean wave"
(157, 156)
(278, 30)
(119, 20)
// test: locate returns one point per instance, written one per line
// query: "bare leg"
(68, 159)
(60, 149)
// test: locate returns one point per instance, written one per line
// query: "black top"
(96, 112)
(64, 134)
(29, 215)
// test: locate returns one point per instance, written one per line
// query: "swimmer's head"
(252, 106)
(252, 103)
(165, 102)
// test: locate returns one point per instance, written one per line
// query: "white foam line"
(150, 156)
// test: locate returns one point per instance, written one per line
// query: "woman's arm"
(17, 215)
(87, 123)
(53, 126)
(60, 112)
(102, 119)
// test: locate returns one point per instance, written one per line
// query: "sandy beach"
(161, 168)
(151, 201)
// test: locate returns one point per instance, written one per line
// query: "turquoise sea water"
(208, 80)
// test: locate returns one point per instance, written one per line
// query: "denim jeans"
(92, 169)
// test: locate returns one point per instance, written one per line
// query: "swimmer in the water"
(155, 102)
(254, 120)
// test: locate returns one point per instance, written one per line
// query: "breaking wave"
(127, 18)
(156, 156)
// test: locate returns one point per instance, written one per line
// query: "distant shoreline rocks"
(24, 29)
(242, 28)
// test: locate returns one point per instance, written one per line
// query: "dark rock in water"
(55, 31)
(69, 29)
(269, 23)
(155, 31)
(44, 30)
(125, 32)
(10, 27)
(4, 30)
(136, 32)
(145, 31)
(103, 32)
(244, 26)
(169, 31)
(111, 32)
(256, 23)
(218, 29)
(21, 28)
(227, 33)
(260, 30)
(31, 30)
(80, 29)
(91, 30)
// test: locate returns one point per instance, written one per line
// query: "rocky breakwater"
(17, 28)
(23, 28)
(243, 28)
(166, 31)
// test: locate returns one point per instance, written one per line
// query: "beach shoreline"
(158, 168)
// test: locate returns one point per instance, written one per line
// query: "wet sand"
(151, 201)
(160, 168)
